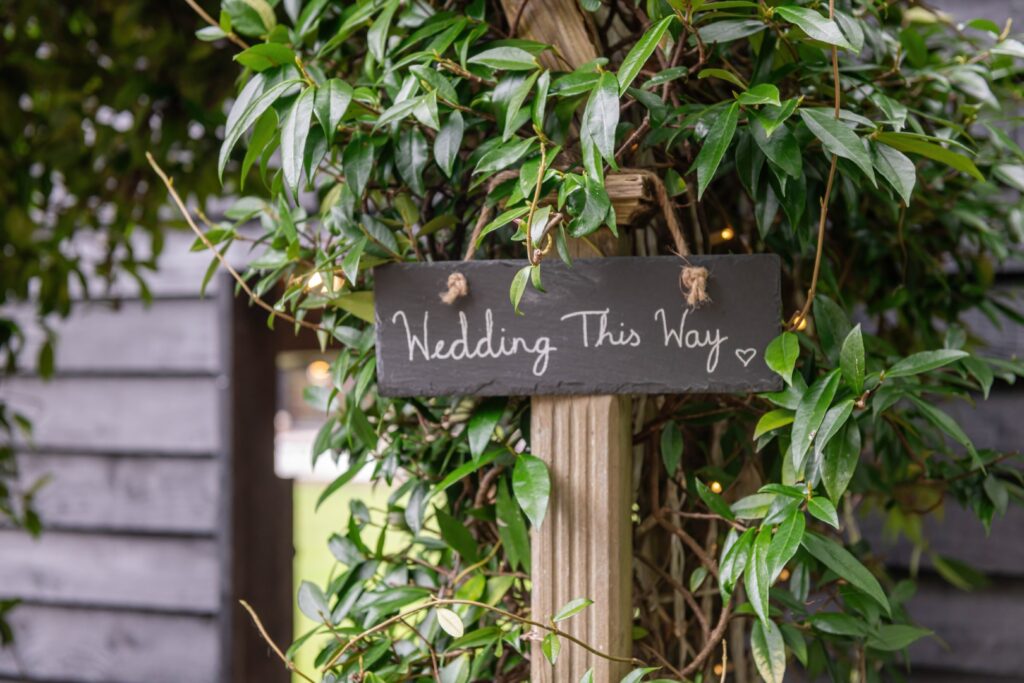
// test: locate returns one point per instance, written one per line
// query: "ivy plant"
(869, 145)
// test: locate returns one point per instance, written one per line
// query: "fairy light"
(318, 372)
(315, 281)
(716, 487)
(784, 575)
(728, 234)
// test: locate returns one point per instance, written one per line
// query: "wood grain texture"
(560, 23)
(121, 415)
(172, 574)
(583, 548)
(99, 646)
(125, 493)
(169, 336)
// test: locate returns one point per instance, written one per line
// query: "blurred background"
(171, 429)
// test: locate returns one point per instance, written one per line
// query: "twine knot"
(458, 287)
(694, 282)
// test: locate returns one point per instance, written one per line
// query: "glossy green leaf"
(713, 149)
(785, 543)
(851, 360)
(823, 509)
(894, 637)
(331, 103)
(641, 52)
(757, 579)
(457, 536)
(506, 58)
(482, 422)
(914, 144)
(512, 528)
(551, 646)
(601, 116)
(377, 36)
(572, 608)
(763, 93)
(838, 138)
(897, 169)
(809, 415)
(925, 361)
(771, 421)
(248, 117)
(532, 485)
(814, 25)
(781, 355)
(768, 650)
(265, 56)
(448, 142)
(518, 287)
(671, 447)
(845, 565)
(734, 562)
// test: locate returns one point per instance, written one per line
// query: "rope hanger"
(693, 280)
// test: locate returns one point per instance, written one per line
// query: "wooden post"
(584, 547)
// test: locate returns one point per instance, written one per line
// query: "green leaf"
(482, 423)
(782, 149)
(532, 485)
(312, 602)
(851, 360)
(947, 425)
(997, 492)
(515, 103)
(897, 169)
(671, 447)
(814, 25)
(448, 142)
(840, 461)
(601, 116)
(763, 93)
(823, 509)
(714, 147)
(515, 292)
(734, 562)
(697, 578)
(846, 566)
(457, 536)
(247, 118)
(723, 74)
(754, 506)
(636, 675)
(457, 671)
(262, 134)
(908, 142)
(249, 17)
(809, 415)
(330, 105)
(572, 608)
(771, 421)
(503, 219)
(467, 468)
(768, 650)
(714, 501)
(540, 99)
(377, 36)
(359, 304)
(357, 162)
(757, 579)
(785, 543)
(838, 139)
(504, 155)
(641, 52)
(781, 355)
(506, 58)
(350, 264)
(481, 637)
(551, 646)
(835, 419)
(832, 325)
(265, 56)
(893, 637)
(412, 157)
(450, 622)
(924, 361)
(730, 30)
(512, 528)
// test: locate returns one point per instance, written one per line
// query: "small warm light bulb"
(716, 487)
(318, 372)
(728, 234)
(718, 669)
(784, 575)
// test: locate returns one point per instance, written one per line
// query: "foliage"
(88, 87)
(381, 130)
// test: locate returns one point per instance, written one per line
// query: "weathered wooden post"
(580, 388)
(584, 548)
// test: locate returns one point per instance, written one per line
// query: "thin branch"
(288, 664)
(231, 35)
(169, 184)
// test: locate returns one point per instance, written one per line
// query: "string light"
(716, 487)
(728, 234)
(318, 372)
(784, 575)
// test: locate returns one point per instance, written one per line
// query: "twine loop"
(458, 287)
(694, 282)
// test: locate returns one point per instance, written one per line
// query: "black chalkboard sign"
(603, 326)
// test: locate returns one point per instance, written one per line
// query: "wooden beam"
(584, 547)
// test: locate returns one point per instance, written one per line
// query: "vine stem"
(231, 35)
(169, 184)
(800, 316)
(441, 602)
(288, 664)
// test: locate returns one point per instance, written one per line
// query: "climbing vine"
(869, 145)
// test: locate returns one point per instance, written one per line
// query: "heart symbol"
(746, 355)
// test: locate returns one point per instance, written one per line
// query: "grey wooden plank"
(98, 414)
(177, 495)
(1005, 339)
(959, 534)
(110, 647)
(981, 630)
(174, 574)
(996, 10)
(169, 336)
(994, 423)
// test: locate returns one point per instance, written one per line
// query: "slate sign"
(604, 326)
